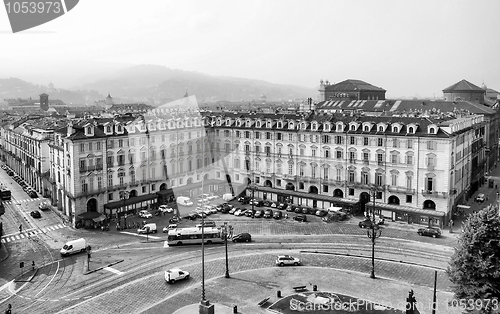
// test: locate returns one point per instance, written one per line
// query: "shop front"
(131, 205)
(410, 215)
(307, 199)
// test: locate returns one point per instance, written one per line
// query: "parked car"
(283, 260)
(191, 216)
(165, 209)
(480, 198)
(291, 208)
(238, 212)
(274, 205)
(298, 210)
(33, 194)
(250, 212)
(145, 214)
(321, 213)
(368, 223)
(268, 213)
(430, 232)
(267, 203)
(242, 237)
(282, 206)
(207, 224)
(173, 275)
(277, 214)
(308, 210)
(36, 214)
(233, 210)
(259, 213)
(300, 217)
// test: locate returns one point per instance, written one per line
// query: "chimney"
(70, 128)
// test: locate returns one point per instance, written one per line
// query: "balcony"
(134, 183)
(400, 189)
(434, 194)
(288, 177)
(144, 182)
(366, 162)
(89, 193)
(91, 168)
(380, 163)
(352, 161)
(430, 167)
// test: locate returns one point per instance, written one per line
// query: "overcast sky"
(410, 48)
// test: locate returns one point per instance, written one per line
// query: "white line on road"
(116, 271)
(57, 269)
(140, 235)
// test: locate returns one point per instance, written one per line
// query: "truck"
(74, 246)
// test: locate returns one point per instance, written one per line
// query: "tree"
(474, 268)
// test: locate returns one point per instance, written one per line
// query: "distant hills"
(155, 84)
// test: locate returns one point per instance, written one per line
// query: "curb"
(102, 267)
(6, 250)
(29, 279)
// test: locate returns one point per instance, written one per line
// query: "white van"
(74, 246)
(334, 209)
(227, 197)
(151, 226)
(184, 201)
(172, 275)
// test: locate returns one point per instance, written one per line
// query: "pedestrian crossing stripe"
(22, 201)
(29, 233)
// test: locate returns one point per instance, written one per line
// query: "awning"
(89, 215)
(131, 201)
(318, 197)
(399, 208)
(99, 219)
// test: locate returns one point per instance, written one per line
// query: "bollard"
(278, 293)
(315, 288)
(235, 309)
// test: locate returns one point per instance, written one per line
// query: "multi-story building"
(323, 160)
(25, 145)
(350, 90)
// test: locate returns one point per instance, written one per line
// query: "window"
(339, 154)
(394, 179)
(247, 134)
(98, 146)
(313, 171)
(313, 152)
(366, 157)
(352, 176)
(431, 161)
(429, 184)
(352, 156)
(410, 144)
(409, 180)
(301, 170)
(90, 146)
(301, 185)
(351, 191)
(365, 141)
(395, 143)
(82, 147)
(410, 129)
(365, 177)
(110, 196)
(85, 187)
(327, 153)
(290, 137)
(338, 139)
(268, 136)
(338, 174)
(82, 165)
(380, 142)
(409, 159)
(409, 198)
(301, 152)
(290, 169)
(394, 158)
(325, 173)
(380, 159)
(352, 140)
(279, 136)
(143, 189)
(257, 135)
(431, 145)
(379, 179)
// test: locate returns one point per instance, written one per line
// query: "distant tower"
(109, 102)
(44, 102)
(186, 94)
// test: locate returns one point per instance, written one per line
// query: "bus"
(182, 236)
(5, 194)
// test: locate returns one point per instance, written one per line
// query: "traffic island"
(328, 302)
(98, 264)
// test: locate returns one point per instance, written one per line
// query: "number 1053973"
(33, 7)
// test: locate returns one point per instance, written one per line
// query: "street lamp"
(373, 233)
(225, 233)
(124, 195)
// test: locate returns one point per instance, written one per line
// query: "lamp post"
(373, 233)
(226, 234)
(124, 195)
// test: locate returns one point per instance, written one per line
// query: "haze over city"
(409, 48)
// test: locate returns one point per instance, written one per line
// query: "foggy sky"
(410, 48)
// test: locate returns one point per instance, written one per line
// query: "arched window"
(410, 129)
(366, 128)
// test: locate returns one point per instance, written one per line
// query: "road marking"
(49, 281)
(116, 271)
(140, 235)
(165, 244)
